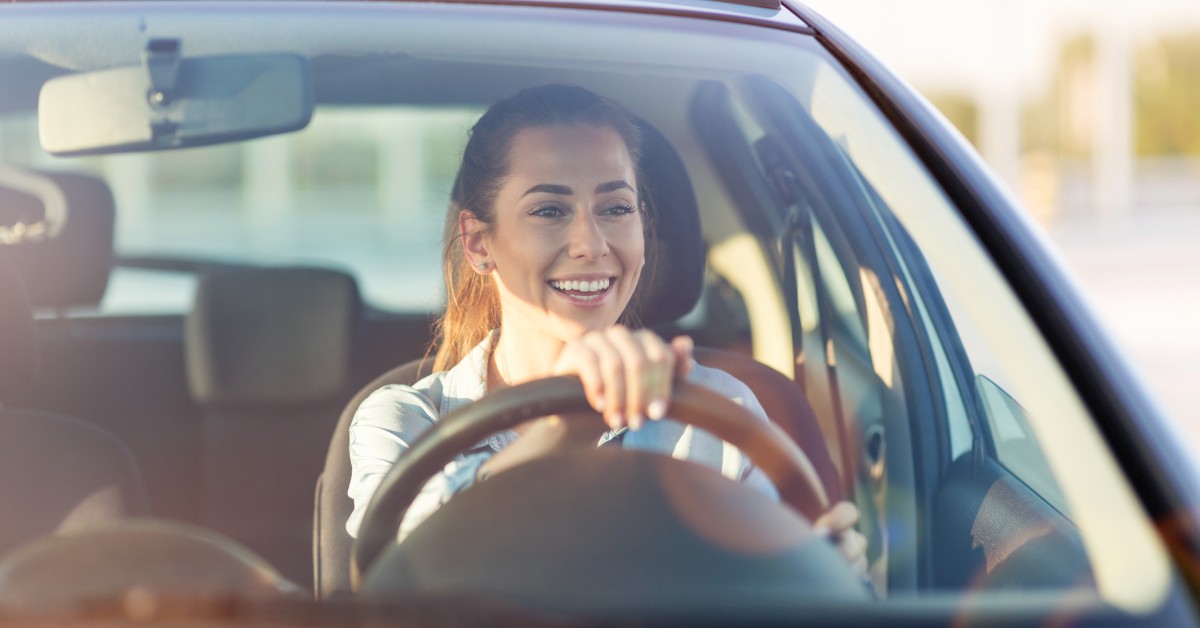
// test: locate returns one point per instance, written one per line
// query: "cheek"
(522, 253)
(633, 249)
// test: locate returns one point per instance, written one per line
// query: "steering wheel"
(765, 444)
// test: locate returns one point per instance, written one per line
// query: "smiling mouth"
(583, 290)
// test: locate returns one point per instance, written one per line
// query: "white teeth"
(582, 286)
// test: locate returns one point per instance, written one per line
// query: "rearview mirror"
(173, 102)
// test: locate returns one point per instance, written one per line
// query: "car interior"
(773, 248)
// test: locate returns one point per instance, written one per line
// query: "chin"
(572, 329)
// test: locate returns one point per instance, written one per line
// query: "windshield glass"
(824, 252)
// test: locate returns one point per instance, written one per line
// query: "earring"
(482, 266)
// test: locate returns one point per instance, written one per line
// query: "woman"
(547, 243)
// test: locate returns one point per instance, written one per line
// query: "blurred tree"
(1166, 93)
(198, 169)
(1059, 121)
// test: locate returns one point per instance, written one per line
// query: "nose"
(587, 239)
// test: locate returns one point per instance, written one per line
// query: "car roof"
(770, 13)
(69, 36)
(719, 5)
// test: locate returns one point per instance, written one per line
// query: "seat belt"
(799, 222)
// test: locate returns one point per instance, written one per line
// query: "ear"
(474, 239)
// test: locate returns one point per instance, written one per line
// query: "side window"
(1006, 422)
(959, 430)
(1016, 445)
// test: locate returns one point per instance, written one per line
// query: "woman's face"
(567, 245)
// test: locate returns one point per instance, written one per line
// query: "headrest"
(271, 336)
(674, 275)
(18, 346)
(67, 258)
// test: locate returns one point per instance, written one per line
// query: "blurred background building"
(1090, 111)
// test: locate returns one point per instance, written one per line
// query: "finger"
(638, 371)
(854, 549)
(612, 374)
(682, 347)
(658, 376)
(842, 516)
(853, 546)
(579, 359)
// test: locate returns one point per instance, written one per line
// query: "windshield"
(824, 252)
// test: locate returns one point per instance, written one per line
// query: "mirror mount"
(161, 60)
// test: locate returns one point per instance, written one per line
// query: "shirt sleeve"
(383, 429)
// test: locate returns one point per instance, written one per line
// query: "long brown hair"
(472, 303)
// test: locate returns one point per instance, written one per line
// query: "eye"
(620, 208)
(547, 211)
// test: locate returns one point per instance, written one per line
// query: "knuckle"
(635, 364)
(655, 350)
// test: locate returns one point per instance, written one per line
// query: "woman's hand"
(837, 525)
(627, 374)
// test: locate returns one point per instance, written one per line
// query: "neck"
(523, 353)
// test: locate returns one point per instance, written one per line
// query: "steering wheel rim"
(764, 443)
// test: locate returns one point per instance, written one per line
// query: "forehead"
(560, 154)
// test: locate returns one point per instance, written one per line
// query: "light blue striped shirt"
(391, 418)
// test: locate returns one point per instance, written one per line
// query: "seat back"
(332, 505)
(125, 373)
(57, 473)
(784, 402)
(72, 265)
(61, 474)
(268, 356)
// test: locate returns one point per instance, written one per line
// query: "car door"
(980, 489)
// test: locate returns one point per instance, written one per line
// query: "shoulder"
(384, 404)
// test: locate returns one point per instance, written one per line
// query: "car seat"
(71, 264)
(57, 473)
(670, 287)
(268, 359)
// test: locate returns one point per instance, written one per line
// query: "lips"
(585, 290)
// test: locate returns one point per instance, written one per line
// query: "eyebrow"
(613, 186)
(562, 190)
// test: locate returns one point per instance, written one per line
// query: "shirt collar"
(467, 381)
